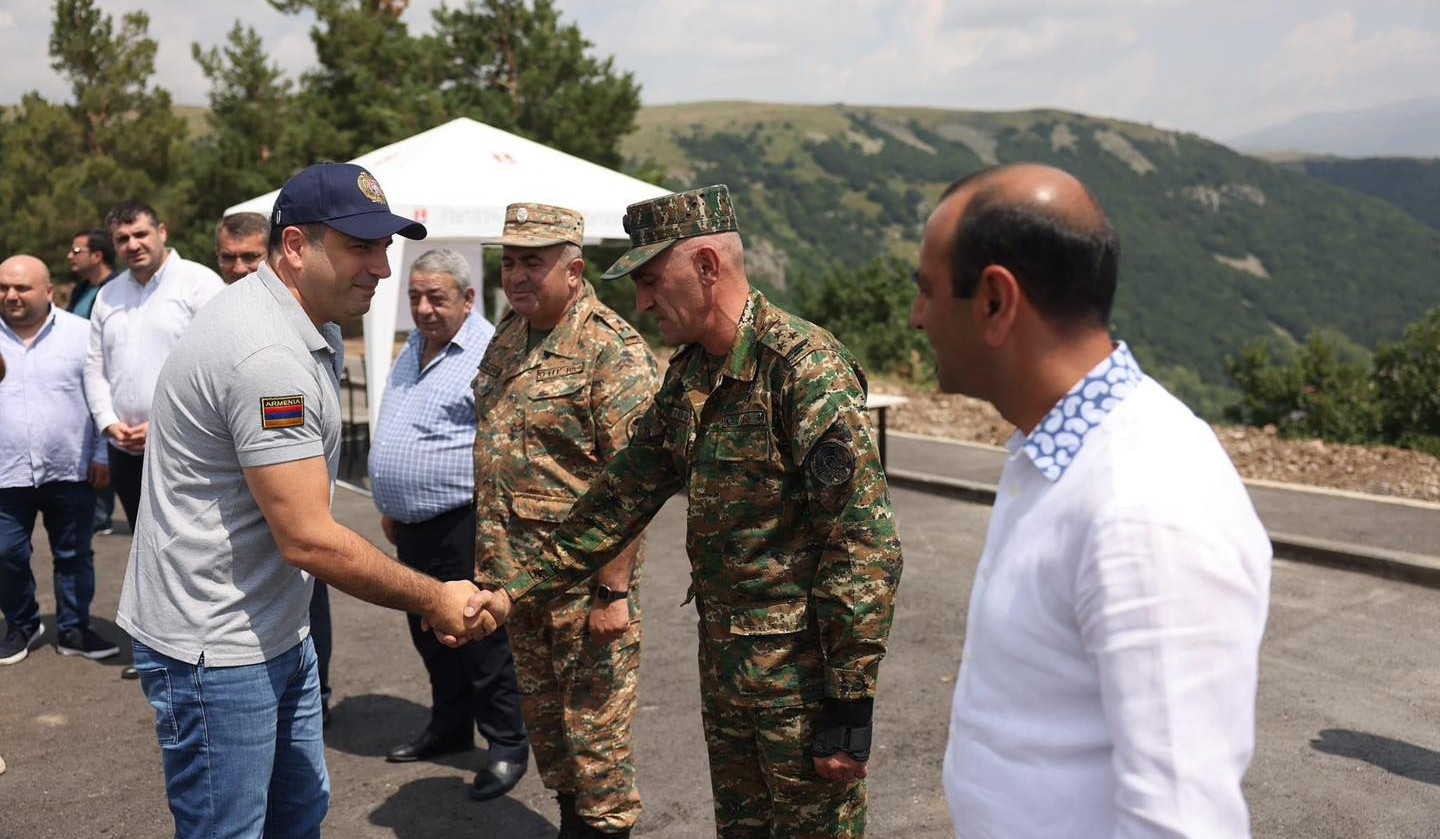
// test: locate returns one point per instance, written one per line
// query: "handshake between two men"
(481, 613)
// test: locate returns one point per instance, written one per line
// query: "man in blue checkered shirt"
(423, 478)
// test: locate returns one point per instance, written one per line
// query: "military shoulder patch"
(282, 411)
(618, 325)
(832, 463)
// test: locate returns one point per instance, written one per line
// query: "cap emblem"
(370, 187)
(522, 215)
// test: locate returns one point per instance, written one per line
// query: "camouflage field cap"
(540, 225)
(657, 224)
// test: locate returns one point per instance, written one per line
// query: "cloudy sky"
(1217, 67)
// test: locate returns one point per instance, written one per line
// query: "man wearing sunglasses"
(92, 258)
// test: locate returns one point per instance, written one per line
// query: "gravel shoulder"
(1258, 453)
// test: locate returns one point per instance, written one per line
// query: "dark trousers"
(68, 510)
(125, 471)
(476, 681)
(104, 509)
(320, 634)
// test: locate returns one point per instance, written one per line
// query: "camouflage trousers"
(579, 699)
(764, 778)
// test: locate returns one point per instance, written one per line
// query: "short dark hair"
(240, 225)
(99, 241)
(1067, 267)
(127, 212)
(314, 233)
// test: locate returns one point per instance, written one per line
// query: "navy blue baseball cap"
(343, 196)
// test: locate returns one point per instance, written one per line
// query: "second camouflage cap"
(657, 224)
(541, 225)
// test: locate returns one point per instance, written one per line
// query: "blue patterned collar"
(1054, 443)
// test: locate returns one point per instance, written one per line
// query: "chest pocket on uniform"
(558, 381)
(743, 435)
(556, 425)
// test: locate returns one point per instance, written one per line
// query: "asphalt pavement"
(1348, 717)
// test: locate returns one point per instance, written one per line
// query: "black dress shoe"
(428, 745)
(496, 779)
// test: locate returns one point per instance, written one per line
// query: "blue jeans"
(242, 747)
(68, 510)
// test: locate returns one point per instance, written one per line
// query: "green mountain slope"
(1412, 184)
(1218, 247)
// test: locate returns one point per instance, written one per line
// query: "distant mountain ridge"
(1401, 129)
(1218, 247)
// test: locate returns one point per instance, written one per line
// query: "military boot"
(569, 819)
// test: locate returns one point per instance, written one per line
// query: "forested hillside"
(1219, 248)
(1410, 183)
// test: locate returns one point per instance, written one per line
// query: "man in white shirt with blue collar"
(1107, 682)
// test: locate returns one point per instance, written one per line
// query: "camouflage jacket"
(548, 421)
(793, 548)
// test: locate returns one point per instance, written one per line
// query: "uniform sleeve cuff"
(848, 684)
(520, 584)
(853, 713)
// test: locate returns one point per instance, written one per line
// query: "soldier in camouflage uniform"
(559, 389)
(792, 541)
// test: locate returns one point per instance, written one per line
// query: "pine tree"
(251, 147)
(517, 66)
(510, 63)
(65, 165)
(371, 87)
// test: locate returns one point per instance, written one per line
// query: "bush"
(1323, 390)
(1407, 379)
(868, 309)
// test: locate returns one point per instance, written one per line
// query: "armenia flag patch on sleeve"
(282, 411)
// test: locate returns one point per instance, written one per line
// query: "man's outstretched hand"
(481, 613)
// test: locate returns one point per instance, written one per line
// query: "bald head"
(25, 293)
(1037, 188)
(1042, 225)
(25, 265)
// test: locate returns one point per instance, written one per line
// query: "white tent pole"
(380, 331)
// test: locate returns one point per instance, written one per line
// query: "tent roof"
(458, 178)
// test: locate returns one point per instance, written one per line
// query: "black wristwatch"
(608, 595)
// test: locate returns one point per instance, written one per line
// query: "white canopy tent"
(457, 179)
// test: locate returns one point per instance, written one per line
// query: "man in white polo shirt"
(234, 520)
(134, 324)
(1107, 683)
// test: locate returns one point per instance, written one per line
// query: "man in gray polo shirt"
(235, 519)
